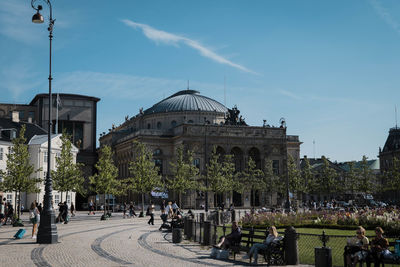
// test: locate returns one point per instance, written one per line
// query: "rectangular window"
(9, 197)
(196, 162)
(31, 114)
(45, 157)
(68, 199)
(275, 166)
(1, 153)
(21, 114)
(56, 199)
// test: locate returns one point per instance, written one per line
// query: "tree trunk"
(61, 199)
(142, 202)
(180, 199)
(19, 204)
(15, 204)
(104, 205)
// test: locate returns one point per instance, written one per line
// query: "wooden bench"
(273, 256)
(394, 261)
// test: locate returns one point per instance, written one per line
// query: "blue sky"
(331, 68)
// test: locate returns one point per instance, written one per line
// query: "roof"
(373, 164)
(31, 129)
(186, 100)
(64, 96)
(393, 140)
(42, 139)
(318, 163)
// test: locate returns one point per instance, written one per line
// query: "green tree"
(366, 177)
(215, 175)
(104, 181)
(184, 173)
(296, 181)
(271, 180)
(18, 170)
(144, 174)
(252, 178)
(327, 178)
(68, 175)
(309, 177)
(351, 182)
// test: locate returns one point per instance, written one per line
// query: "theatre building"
(201, 123)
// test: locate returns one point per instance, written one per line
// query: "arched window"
(148, 126)
(159, 125)
(173, 123)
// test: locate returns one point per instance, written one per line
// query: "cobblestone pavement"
(87, 241)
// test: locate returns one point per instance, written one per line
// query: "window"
(196, 162)
(9, 197)
(31, 114)
(157, 152)
(158, 163)
(68, 199)
(173, 123)
(148, 126)
(21, 114)
(56, 199)
(275, 166)
(1, 153)
(45, 157)
(190, 121)
(159, 125)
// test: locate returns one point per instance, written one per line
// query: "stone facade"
(200, 130)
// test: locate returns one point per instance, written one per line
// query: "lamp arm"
(39, 7)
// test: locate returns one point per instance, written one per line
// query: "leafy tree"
(252, 178)
(352, 178)
(309, 177)
(366, 177)
(215, 175)
(68, 175)
(272, 181)
(144, 174)
(184, 173)
(105, 180)
(296, 181)
(327, 178)
(392, 176)
(231, 181)
(18, 170)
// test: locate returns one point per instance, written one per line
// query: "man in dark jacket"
(233, 238)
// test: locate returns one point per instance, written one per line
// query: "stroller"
(176, 222)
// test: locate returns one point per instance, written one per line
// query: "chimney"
(15, 116)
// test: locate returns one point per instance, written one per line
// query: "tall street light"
(47, 233)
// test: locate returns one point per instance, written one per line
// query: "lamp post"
(205, 164)
(47, 233)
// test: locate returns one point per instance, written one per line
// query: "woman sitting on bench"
(272, 236)
(359, 248)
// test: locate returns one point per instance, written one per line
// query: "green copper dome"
(186, 100)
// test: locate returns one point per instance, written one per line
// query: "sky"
(330, 68)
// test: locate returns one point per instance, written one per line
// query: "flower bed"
(388, 219)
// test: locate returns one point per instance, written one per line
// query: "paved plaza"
(87, 241)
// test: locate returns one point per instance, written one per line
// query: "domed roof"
(186, 100)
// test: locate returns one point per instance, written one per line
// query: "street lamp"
(47, 233)
(205, 164)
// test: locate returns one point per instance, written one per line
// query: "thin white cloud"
(159, 36)
(385, 15)
(290, 94)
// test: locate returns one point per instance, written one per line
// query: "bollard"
(202, 217)
(176, 235)
(207, 233)
(323, 257)
(291, 246)
(189, 229)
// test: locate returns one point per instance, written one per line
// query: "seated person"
(379, 246)
(233, 238)
(360, 242)
(272, 236)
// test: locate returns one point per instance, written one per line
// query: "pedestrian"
(91, 208)
(9, 214)
(150, 211)
(162, 207)
(65, 213)
(168, 210)
(22, 209)
(72, 209)
(2, 211)
(34, 217)
(132, 209)
(124, 210)
(40, 207)
(174, 207)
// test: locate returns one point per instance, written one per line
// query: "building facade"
(77, 115)
(200, 123)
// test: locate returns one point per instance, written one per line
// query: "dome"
(186, 100)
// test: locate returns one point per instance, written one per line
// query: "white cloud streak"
(290, 94)
(159, 36)
(385, 15)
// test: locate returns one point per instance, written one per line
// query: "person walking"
(34, 217)
(124, 210)
(9, 213)
(2, 211)
(132, 209)
(72, 209)
(91, 208)
(150, 210)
